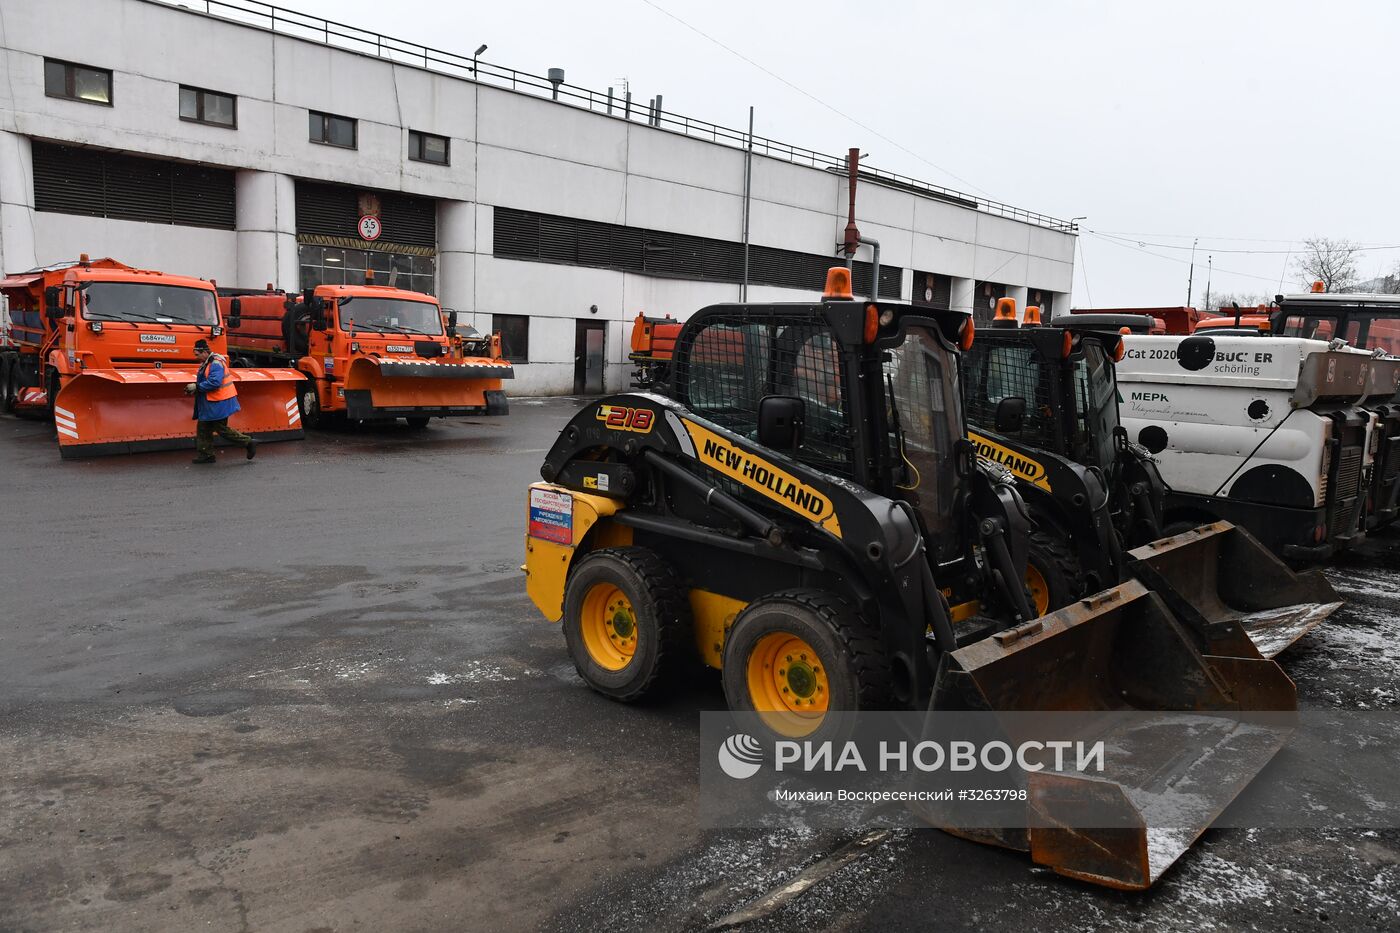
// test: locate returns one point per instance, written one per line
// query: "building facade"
(216, 143)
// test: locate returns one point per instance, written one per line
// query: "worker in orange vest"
(215, 400)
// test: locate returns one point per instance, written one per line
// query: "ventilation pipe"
(853, 240)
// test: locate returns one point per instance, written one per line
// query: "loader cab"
(872, 389)
(1064, 381)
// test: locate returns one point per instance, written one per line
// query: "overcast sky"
(1250, 125)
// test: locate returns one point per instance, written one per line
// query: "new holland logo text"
(1032, 471)
(622, 418)
(758, 474)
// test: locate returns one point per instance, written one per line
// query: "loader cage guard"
(1002, 368)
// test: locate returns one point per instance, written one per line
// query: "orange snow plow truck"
(108, 349)
(369, 352)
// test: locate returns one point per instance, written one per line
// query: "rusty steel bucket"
(101, 412)
(1232, 591)
(1178, 723)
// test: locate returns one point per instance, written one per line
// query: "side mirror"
(451, 319)
(781, 419)
(317, 307)
(1011, 414)
(53, 306)
(235, 314)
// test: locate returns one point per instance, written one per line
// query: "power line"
(814, 98)
(1148, 252)
(1251, 252)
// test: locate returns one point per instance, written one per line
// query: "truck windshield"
(136, 301)
(1096, 408)
(390, 315)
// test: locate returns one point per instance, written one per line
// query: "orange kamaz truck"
(107, 350)
(369, 352)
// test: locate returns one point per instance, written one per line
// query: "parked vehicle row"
(106, 350)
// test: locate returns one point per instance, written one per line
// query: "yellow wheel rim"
(1040, 591)
(788, 684)
(609, 627)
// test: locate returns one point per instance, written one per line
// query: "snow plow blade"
(103, 412)
(1185, 732)
(390, 388)
(1232, 591)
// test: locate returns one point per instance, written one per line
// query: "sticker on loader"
(622, 418)
(760, 475)
(1032, 471)
(552, 516)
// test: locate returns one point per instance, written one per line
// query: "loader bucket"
(1232, 591)
(388, 388)
(101, 412)
(1182, 729)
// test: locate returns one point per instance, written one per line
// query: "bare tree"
(1331, 262)
(1246, 300)
(1390, 284)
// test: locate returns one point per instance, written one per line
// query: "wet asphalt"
(308, 693)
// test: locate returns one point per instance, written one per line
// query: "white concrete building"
(181, 139)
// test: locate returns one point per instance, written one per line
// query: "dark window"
(984, 300)
(425, 147)
(331, 130)
(327, 265)
(200, 106)
(335, 210)
(547, 238)
(71, 180)
(77, 82)
(515, 336)
(1009, 369)
(932, 290)
(1042, 299)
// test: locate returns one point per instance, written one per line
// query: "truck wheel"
(1052, 573)
(51, 388)
(792, 657)
(309, 404)
(417, 423)
(9, 388)
(626, 622)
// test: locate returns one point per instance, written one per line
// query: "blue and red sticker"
(552, 516)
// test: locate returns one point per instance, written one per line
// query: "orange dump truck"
(369, 352)
(653, 343)
(108, 349)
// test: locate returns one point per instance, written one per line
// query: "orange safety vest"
(225, 390)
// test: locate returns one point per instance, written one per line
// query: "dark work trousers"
(204, 436)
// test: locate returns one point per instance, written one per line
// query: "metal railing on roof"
(367, 42)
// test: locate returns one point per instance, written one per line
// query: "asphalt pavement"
(308, 693)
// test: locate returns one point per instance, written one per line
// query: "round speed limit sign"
(370, 227)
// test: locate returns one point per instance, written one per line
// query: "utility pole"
(1191, 276)
(1210, 267)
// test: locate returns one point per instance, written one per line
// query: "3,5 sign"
(370, 227)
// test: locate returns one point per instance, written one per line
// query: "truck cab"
(370, 352)
(107, 350)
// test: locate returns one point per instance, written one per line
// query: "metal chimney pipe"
(852, 238)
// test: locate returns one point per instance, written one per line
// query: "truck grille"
(1342, 521)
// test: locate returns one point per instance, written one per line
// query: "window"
(77, 82)
(515, 336)
(425, 147)
(326, 265)
(332, 130)
(200, 106)
(73, 180)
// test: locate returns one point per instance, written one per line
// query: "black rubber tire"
(309, 404)
(851, 652)
(1059, 568)
(52, 384)
(662, 617)
(418, 423)
(7, 384)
